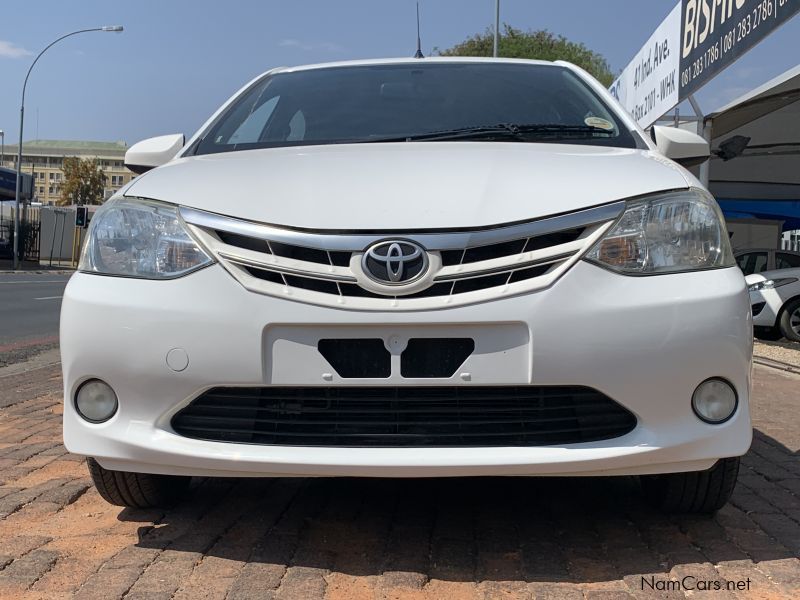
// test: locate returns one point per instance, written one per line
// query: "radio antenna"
(418, 54)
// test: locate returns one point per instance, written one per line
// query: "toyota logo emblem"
(395, 262)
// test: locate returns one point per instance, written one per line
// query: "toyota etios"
(411, 268)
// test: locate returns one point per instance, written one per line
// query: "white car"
(775, 302)
(411, 268)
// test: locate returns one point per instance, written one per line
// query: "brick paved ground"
(352, 539)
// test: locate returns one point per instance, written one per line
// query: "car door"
(786, 260)
(753, 262)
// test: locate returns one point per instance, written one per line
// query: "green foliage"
(539, 45)
(84, 181)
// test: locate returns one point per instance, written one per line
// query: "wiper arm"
(513, 131)
(500, 130)
(556, 128)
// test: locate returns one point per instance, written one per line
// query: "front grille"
(490, 251)
(462, 282)
(326, 267)
(466, 416)
(341, 259)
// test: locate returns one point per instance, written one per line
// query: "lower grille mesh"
(470, 416)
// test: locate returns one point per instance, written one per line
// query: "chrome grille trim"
(278, 267)
(357, 242)
(472, 273)
(306, 271)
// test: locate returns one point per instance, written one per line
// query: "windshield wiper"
(559, 128)
(478, 131)
(509, 131)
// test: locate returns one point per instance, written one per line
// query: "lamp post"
(2, 160)
(496, 27)
(21, 123)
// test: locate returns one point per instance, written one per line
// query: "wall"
(57, 234)
(754, 233)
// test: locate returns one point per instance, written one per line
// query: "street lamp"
(21, 123)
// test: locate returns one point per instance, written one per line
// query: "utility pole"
(116, 28)
(496, 27)
(2, 160)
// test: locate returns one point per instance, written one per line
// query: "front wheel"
(692, 492)
(789, 322)
(137, 490)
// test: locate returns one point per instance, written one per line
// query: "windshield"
(416, 102)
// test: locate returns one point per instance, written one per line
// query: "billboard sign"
(697, 40)
(648, 87)
(715, 33)
(8, 184)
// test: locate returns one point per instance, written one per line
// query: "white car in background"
(775, 302)
(758, 260)
(411, 268)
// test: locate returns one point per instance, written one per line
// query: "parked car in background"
(429, 267)
(757, 260)
(775, 301)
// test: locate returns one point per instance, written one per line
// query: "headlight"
(141, 238)
(770, 284)
(666, 233)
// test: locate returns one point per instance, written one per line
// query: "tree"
(540, 45)
(84, 182)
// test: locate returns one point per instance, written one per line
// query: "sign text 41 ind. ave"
(697, 40)
(648, 87)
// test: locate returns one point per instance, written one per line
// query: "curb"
(776, 364)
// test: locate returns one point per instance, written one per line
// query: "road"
(514, 538)
(30, 304)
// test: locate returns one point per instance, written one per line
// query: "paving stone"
(484, 538)
(25, 571)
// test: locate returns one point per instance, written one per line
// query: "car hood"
(402, 186)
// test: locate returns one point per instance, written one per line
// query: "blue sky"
(179, 59)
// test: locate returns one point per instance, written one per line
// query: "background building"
(44, 160)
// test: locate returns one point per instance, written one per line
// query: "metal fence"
(6, 236)
(29, 229)
(47, 235)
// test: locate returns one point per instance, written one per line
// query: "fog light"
(714, 401)
(96, 401)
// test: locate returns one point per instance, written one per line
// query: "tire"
(702, 492)
(769, 334)
(137, 490)
(789, 322)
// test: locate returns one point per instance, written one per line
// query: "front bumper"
(646, 342)
(770, 304)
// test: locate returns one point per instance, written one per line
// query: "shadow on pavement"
(475, 529)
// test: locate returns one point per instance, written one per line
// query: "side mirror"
(153, 152)
(684, 147)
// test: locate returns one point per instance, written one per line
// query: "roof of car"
(776, 273)
(748, 250)
(418, 61)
